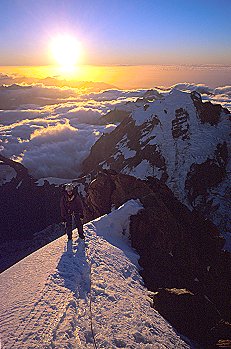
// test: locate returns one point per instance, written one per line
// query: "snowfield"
(72, 295)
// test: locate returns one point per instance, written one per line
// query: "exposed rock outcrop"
(25, 207)
(208, 112)
(193, 315)
(180, 125)
(208, 174)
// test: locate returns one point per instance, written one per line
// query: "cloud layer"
(51, 129)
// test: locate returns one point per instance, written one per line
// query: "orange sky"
(125, 77)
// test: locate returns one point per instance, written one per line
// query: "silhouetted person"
(72, 211)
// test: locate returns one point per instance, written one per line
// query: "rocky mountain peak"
(208, 112)
(178, 139)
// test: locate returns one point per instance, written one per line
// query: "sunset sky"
(119, 32)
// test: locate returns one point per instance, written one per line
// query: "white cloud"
(59, 150)
(51, 147)
(225, 90)
(7, 117)
(53, 139)
(21, 96)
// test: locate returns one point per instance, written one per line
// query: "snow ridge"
(45, 297)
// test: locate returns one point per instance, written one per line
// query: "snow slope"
(46, 298)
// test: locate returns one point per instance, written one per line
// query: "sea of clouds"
(51, 129)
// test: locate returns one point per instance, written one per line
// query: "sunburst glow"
(66, 50)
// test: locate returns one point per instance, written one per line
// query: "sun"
(66, 50)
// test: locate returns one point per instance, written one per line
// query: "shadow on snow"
(73, 269)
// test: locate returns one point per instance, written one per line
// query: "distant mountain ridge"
(180, 140)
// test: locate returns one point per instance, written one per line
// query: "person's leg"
(79, 226)
(69, 228)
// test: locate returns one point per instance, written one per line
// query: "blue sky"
(118, 31)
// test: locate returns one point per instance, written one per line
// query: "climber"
(72, 211)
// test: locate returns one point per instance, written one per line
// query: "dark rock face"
(207, 112)
(98, 201)
(207, 174)
(192, 314)
(25, 207)
(178, 249)
(185, 249)
(110, 188)
(180, 124)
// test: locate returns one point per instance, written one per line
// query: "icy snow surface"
(46, 297)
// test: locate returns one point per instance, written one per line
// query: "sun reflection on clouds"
(52, 132)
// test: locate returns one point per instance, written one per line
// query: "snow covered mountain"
(180, 140)
(73, 296)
